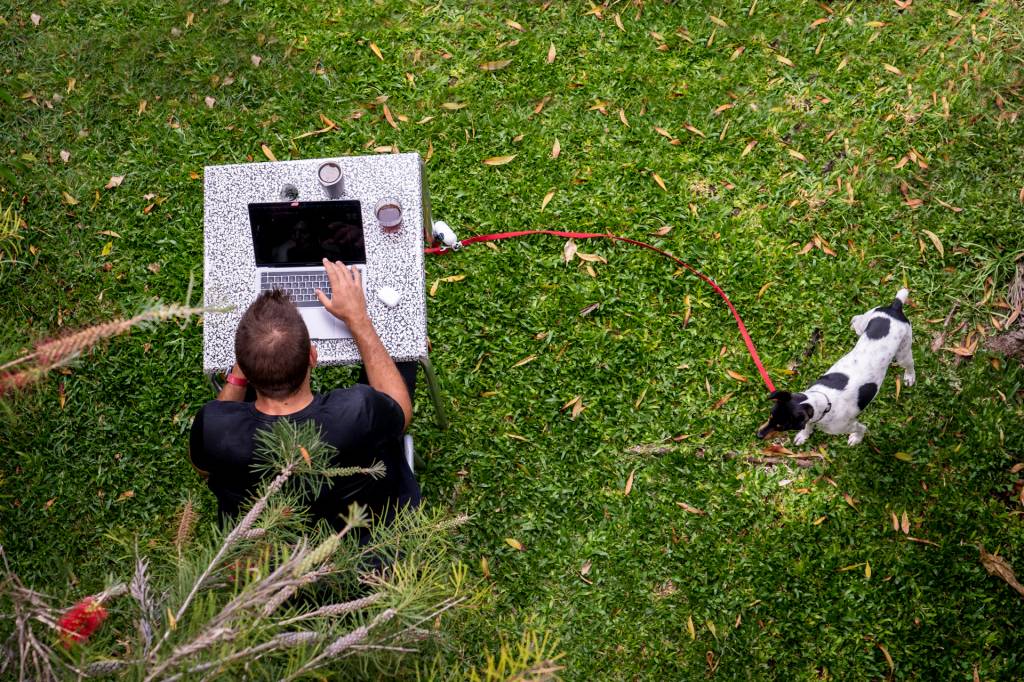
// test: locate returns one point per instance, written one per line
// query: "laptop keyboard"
(300, 286)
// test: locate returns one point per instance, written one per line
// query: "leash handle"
(497, 236)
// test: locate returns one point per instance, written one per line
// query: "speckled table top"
(392, 260)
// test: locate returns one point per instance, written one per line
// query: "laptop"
(290, 239)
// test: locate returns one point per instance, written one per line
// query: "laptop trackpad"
(321, 324)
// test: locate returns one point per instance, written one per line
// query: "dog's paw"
(800, 438)
(909, 378)
(855, 439)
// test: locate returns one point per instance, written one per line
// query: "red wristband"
(236, 381)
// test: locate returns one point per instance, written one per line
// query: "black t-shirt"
(364, 425)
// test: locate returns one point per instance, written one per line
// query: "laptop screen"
(306, 232)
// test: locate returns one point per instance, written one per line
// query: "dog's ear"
(782, 396)
(807, 410)
(859, 323)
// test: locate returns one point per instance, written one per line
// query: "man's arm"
(348, 305)
(232, 391)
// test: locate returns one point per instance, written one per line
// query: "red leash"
(598, 235)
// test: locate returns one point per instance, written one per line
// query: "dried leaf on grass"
(722, 401)
(888, 659)
(936, 242)
(998, 566)
(577, 406)
(569, 251)
(547, 199)
(691, 509)
(496, 65)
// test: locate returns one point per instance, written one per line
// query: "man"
(364, 422)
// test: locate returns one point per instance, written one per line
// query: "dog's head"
(791, 413)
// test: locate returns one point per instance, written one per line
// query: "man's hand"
(348, 304)
(347, 301)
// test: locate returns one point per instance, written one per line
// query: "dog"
(835, 400)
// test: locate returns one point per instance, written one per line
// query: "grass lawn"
(812, 158)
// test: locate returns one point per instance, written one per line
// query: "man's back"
(365, 425)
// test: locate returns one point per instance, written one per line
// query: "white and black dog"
(837, 397)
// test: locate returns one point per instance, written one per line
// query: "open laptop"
(290, 240)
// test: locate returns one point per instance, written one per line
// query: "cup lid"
(329, 172)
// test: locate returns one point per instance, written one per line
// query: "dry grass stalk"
(281, 641)
(139, 589)
(1015, 292)
(204, 641)
(57, 352)
(345, 642)
(1011, 344)
(186, 522)
(338, 609)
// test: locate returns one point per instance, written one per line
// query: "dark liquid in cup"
(390, 218)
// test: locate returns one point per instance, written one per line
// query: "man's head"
(272, 346)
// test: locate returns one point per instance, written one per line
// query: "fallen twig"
(940, 338)
(804, 461)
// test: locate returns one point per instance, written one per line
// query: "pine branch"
(376, 471)
(237, 533)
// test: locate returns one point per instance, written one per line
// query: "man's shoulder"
(350, 395)
(364, 404)
(225, 409)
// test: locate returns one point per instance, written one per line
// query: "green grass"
(761, 575)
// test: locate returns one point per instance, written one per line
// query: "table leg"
(435, 393)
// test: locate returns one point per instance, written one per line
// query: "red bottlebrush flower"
(81, 621)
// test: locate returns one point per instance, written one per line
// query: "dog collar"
(827, 409)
